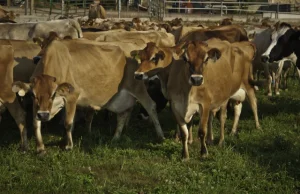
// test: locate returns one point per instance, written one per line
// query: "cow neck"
(56, 63)
(164, 77)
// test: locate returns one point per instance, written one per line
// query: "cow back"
(95, 71)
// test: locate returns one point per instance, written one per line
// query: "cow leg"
(269, 85)
(285, 77)
(253, 104)
(40, 147)
(223, 117)
(202, 132)
(190, 128)
(210, 134)
(69, 123)
(89, 115)
(268, 77)
(19, 116)
(237, 112)
(184, 133)
(150, 107)
(122, 120)
(276, 79)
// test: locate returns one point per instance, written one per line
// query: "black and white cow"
(281, 48)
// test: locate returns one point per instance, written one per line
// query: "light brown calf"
(211, 73)
(84, 73)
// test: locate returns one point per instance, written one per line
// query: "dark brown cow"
(231, 33)
(87, 74)
(212, 73)
(7, 97)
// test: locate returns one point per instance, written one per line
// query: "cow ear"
(21, 88)
(179, 50)
(38, 41)
(161, 55)
(134, 53)
(64, 89)
(214, 54)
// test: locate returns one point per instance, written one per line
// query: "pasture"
(255, 161)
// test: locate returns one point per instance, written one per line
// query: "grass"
(255, 161)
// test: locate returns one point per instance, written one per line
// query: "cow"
(82, 73)
(281, 48)
(7, 96)
(231, 33)
(283, 45)
(181, 31)
(31, 30)
(7, 15)
(160, 38)
(202, 82)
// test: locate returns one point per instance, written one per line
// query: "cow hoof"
(204, 156)
(233, 133)
(185, 159)
(161, 139)
(270, 94)
(277, 93)
(115, 139)
(177, 139)
(41, 153)
(68, 148)
(190, 141)
(209, 142)
(221, 143)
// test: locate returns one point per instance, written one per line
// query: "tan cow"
(211, 74)
(7, 97)
(160, 38)
(181, 31)
(231, 33)
(87, 74)
(7, 15)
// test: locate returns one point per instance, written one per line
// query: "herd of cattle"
(196, 69)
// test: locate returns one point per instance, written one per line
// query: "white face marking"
(275, 36)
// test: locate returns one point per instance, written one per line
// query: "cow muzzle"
(140, 76)
(36, 59)
(196, 80)
(265, 59)
(43, 115)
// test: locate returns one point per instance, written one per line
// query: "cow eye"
(154, 59)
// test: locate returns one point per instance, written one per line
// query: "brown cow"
(7, 97)
(212, 73)
(84, 73)
(231, 33)
(7, 15)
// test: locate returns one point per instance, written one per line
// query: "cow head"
(197, 55)
(44, 89)
(280, 43)
(151, 59)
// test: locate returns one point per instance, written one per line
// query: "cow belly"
(240, 95)
(121, 102)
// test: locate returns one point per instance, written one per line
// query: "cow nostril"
(139, 76)
(44, 116)
(264, 59)
(196, 80)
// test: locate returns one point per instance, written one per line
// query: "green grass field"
(255, 161)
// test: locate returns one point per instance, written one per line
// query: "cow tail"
(252, 82)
